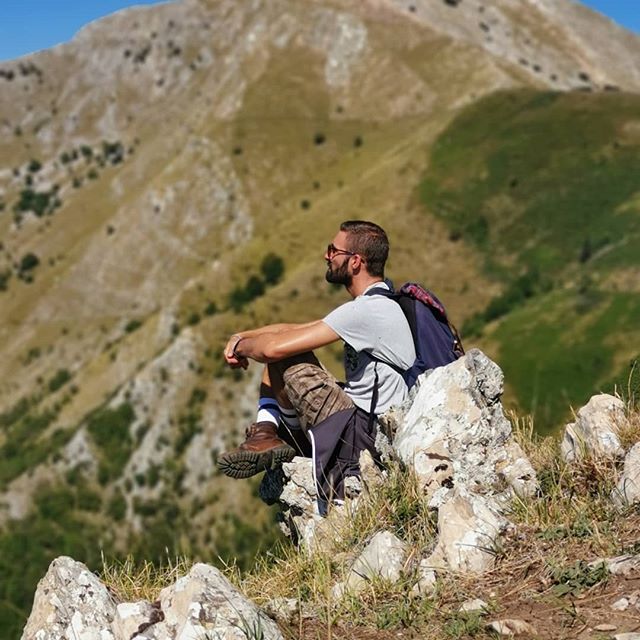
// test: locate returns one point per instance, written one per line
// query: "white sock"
(290, 418)
(268, 411)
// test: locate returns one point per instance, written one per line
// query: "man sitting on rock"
(302, 403)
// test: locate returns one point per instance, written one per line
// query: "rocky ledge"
(452, 435)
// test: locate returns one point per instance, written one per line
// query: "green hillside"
(545, 186)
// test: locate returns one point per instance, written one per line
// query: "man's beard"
(339, 275)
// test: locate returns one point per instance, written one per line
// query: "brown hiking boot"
(260, 451)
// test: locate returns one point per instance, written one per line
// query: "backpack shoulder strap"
(392, 295)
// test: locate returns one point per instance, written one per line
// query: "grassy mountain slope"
(149, 167)
(545, 186)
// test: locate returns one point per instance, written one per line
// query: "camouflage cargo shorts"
(314, 392)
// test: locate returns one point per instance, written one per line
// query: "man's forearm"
(270, 328)
(255, 350)
(274, 346)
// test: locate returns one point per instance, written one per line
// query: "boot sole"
(244, 464)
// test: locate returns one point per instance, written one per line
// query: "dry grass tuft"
(630, 433)
(131, 581)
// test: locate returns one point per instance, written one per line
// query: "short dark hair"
(370, 241)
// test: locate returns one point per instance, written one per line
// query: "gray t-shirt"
(374, 324)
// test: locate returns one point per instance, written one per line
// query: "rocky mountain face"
(174, 173)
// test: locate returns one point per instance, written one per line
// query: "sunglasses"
(332, 251)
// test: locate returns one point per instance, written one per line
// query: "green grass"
(25, 447)
(544, 185)
(554, 353)
(533, 176)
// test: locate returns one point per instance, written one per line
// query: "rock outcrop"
(595, 430)
(71, 602)
(512, 627)
(383, 557)
(468, 527)
(455, 432)
(454, 436)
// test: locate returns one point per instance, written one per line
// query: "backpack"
(436, 340)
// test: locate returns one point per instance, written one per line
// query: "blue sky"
(29, 25)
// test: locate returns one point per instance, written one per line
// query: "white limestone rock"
(627, 566)
(595, 430)
(468, 527)
(455, 437)
(455, 432)
(512, 627)
(620, 605)
(383, 557)
(427, 578)
(628, 490)
(294, 487)
(133, 618)
(518, 471)
(474, 606)
(297, 496)
(70, 602)
(282, 609)
(300, 489)
(204, 604)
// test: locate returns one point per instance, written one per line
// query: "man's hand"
(234, 360)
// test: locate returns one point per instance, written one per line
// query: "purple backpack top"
(436, 340)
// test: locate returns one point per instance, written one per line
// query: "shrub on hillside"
(37, 201)
(211, 309)
(272, 268)
(61, 377)
(132, 325)
(117, 506)
(110, 430)
(28, 263)
(113, 152)
(240, 296)
(193, 319)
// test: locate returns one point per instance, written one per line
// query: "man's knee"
(281, 368)
(314, 393)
